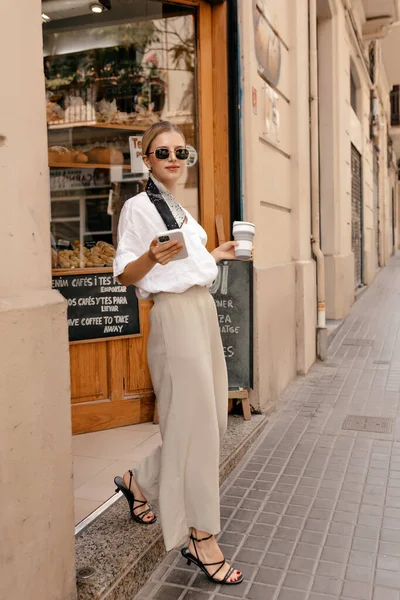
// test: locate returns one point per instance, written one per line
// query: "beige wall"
(277, 200)
(36, 516)
(276, 179)
(341, 127)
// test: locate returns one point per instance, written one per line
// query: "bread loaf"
(79, 157)
(59, 154)
(105, 156)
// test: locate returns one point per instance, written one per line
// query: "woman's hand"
(163, 253)
(225, 252)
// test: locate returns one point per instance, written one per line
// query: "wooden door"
(110, 381)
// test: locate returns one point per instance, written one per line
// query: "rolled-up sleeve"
(130, 247)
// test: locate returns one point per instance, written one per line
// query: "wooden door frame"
(213, 115)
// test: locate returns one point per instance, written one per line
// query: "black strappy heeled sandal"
(196, 560)
(139, 518)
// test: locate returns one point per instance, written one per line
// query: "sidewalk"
(313, 512)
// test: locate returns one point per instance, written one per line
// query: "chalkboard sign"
(98, 307)
(233, 296)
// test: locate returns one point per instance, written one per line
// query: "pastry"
(106, 249)
(81, 257)
(105, 156)
(67, 260)
(64, 263)
(96, 260)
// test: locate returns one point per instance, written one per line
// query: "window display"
(110, 76)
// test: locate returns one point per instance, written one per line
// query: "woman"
(185, 357)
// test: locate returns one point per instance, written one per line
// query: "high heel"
(139, 518)
(196, 560)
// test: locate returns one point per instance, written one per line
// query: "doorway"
(393, 223)
(108, 77)
(376, 206)
(357, 240)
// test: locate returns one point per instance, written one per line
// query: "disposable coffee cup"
(243, 233)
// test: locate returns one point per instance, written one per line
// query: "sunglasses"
(164, 153)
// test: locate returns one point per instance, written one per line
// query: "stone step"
(124, 554)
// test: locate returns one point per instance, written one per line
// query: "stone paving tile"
(313, 511)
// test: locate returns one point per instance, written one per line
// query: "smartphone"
(175, 235)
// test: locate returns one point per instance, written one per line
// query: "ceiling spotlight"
(96, 8)
(45, 18)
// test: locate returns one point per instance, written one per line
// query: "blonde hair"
(152, 132)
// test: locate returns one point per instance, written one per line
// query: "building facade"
(315, 125)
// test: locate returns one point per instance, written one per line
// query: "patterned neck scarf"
(169, 209)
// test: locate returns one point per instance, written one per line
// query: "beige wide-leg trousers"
(189, 376)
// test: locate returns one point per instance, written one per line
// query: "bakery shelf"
(78, 192)
(81, 271)
(76, 198)
(86, 166)
(109, 232)
(80, 197)
(65, 219)
(96, 125)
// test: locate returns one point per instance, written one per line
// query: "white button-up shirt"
(140, 222)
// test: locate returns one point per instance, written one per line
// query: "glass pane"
(64, 209)
(65, 232)
(97, 219)
(110, 76)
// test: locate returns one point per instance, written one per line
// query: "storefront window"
(109, 76)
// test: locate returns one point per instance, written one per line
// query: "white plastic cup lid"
(243, 223)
